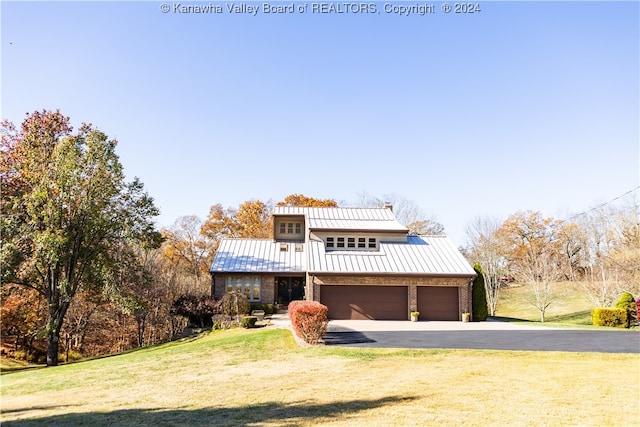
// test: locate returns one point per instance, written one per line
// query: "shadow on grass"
(257, 414)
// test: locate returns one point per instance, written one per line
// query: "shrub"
(479, 296)
(309, 320)
(628, 304)
(267, 308)
(248, 321)
(235, 304)
(613, 317)
(197, 309)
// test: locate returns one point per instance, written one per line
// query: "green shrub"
(479, 296)
(628, 304)
(612, 317)
(267, 308)
(248, 321)
(234, 304)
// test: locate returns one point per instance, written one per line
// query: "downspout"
(470, 300)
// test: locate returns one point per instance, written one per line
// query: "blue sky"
(521, 106)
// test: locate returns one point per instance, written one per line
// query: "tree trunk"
(53, 341)
(54, 325)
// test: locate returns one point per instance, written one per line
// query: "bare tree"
(487, 249)
(407, 212)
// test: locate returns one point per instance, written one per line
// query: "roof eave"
(388, 274)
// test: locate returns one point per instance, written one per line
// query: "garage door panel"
(438, 303)
(365, 302)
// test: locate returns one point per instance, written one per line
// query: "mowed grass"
(570, 306)
(261, 377)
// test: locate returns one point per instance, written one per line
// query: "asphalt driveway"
(490, 335)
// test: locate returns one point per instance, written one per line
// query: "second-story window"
(351, 243)
(290, 228)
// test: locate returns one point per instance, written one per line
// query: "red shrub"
(309, 320)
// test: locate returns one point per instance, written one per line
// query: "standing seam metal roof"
(258, 256)
(432, 255)
(354, 219)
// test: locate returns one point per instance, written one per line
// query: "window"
(290, 228)
(284, 247)
(352, 243)
(248, 285)
(299, 247)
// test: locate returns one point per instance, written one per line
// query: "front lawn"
(261, 377)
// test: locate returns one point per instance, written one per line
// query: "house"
(359, 262)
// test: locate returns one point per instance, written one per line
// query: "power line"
(604, 204)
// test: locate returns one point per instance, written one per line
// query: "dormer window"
(351, 243)
(290, 228)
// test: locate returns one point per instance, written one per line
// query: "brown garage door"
(366, 302)
(438, 303)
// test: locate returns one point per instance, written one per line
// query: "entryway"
(290, 289)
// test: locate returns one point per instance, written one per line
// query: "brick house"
(359, 262)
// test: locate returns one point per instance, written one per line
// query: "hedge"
(309, 320)
(248, 321)
(613, 317)
(267, 308)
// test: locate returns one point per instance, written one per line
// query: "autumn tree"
(531, 248)
(300, 200)
(189, 249)
(250, 220)
(22, 317)
(68, 213)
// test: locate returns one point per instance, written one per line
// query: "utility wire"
(604, 204)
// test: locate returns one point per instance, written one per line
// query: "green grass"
(570, 308)
(261, 377)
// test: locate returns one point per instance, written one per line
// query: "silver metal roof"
(258, 256)
(352, 219)
(420, 255)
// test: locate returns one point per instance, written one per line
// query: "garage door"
(438, 303)
(366, 302)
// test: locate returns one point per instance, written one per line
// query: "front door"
(290, 289)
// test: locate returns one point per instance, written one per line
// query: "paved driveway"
(477, 335)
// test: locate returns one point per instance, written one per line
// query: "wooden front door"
(290, 289)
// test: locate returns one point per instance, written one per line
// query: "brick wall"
(412, 283)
